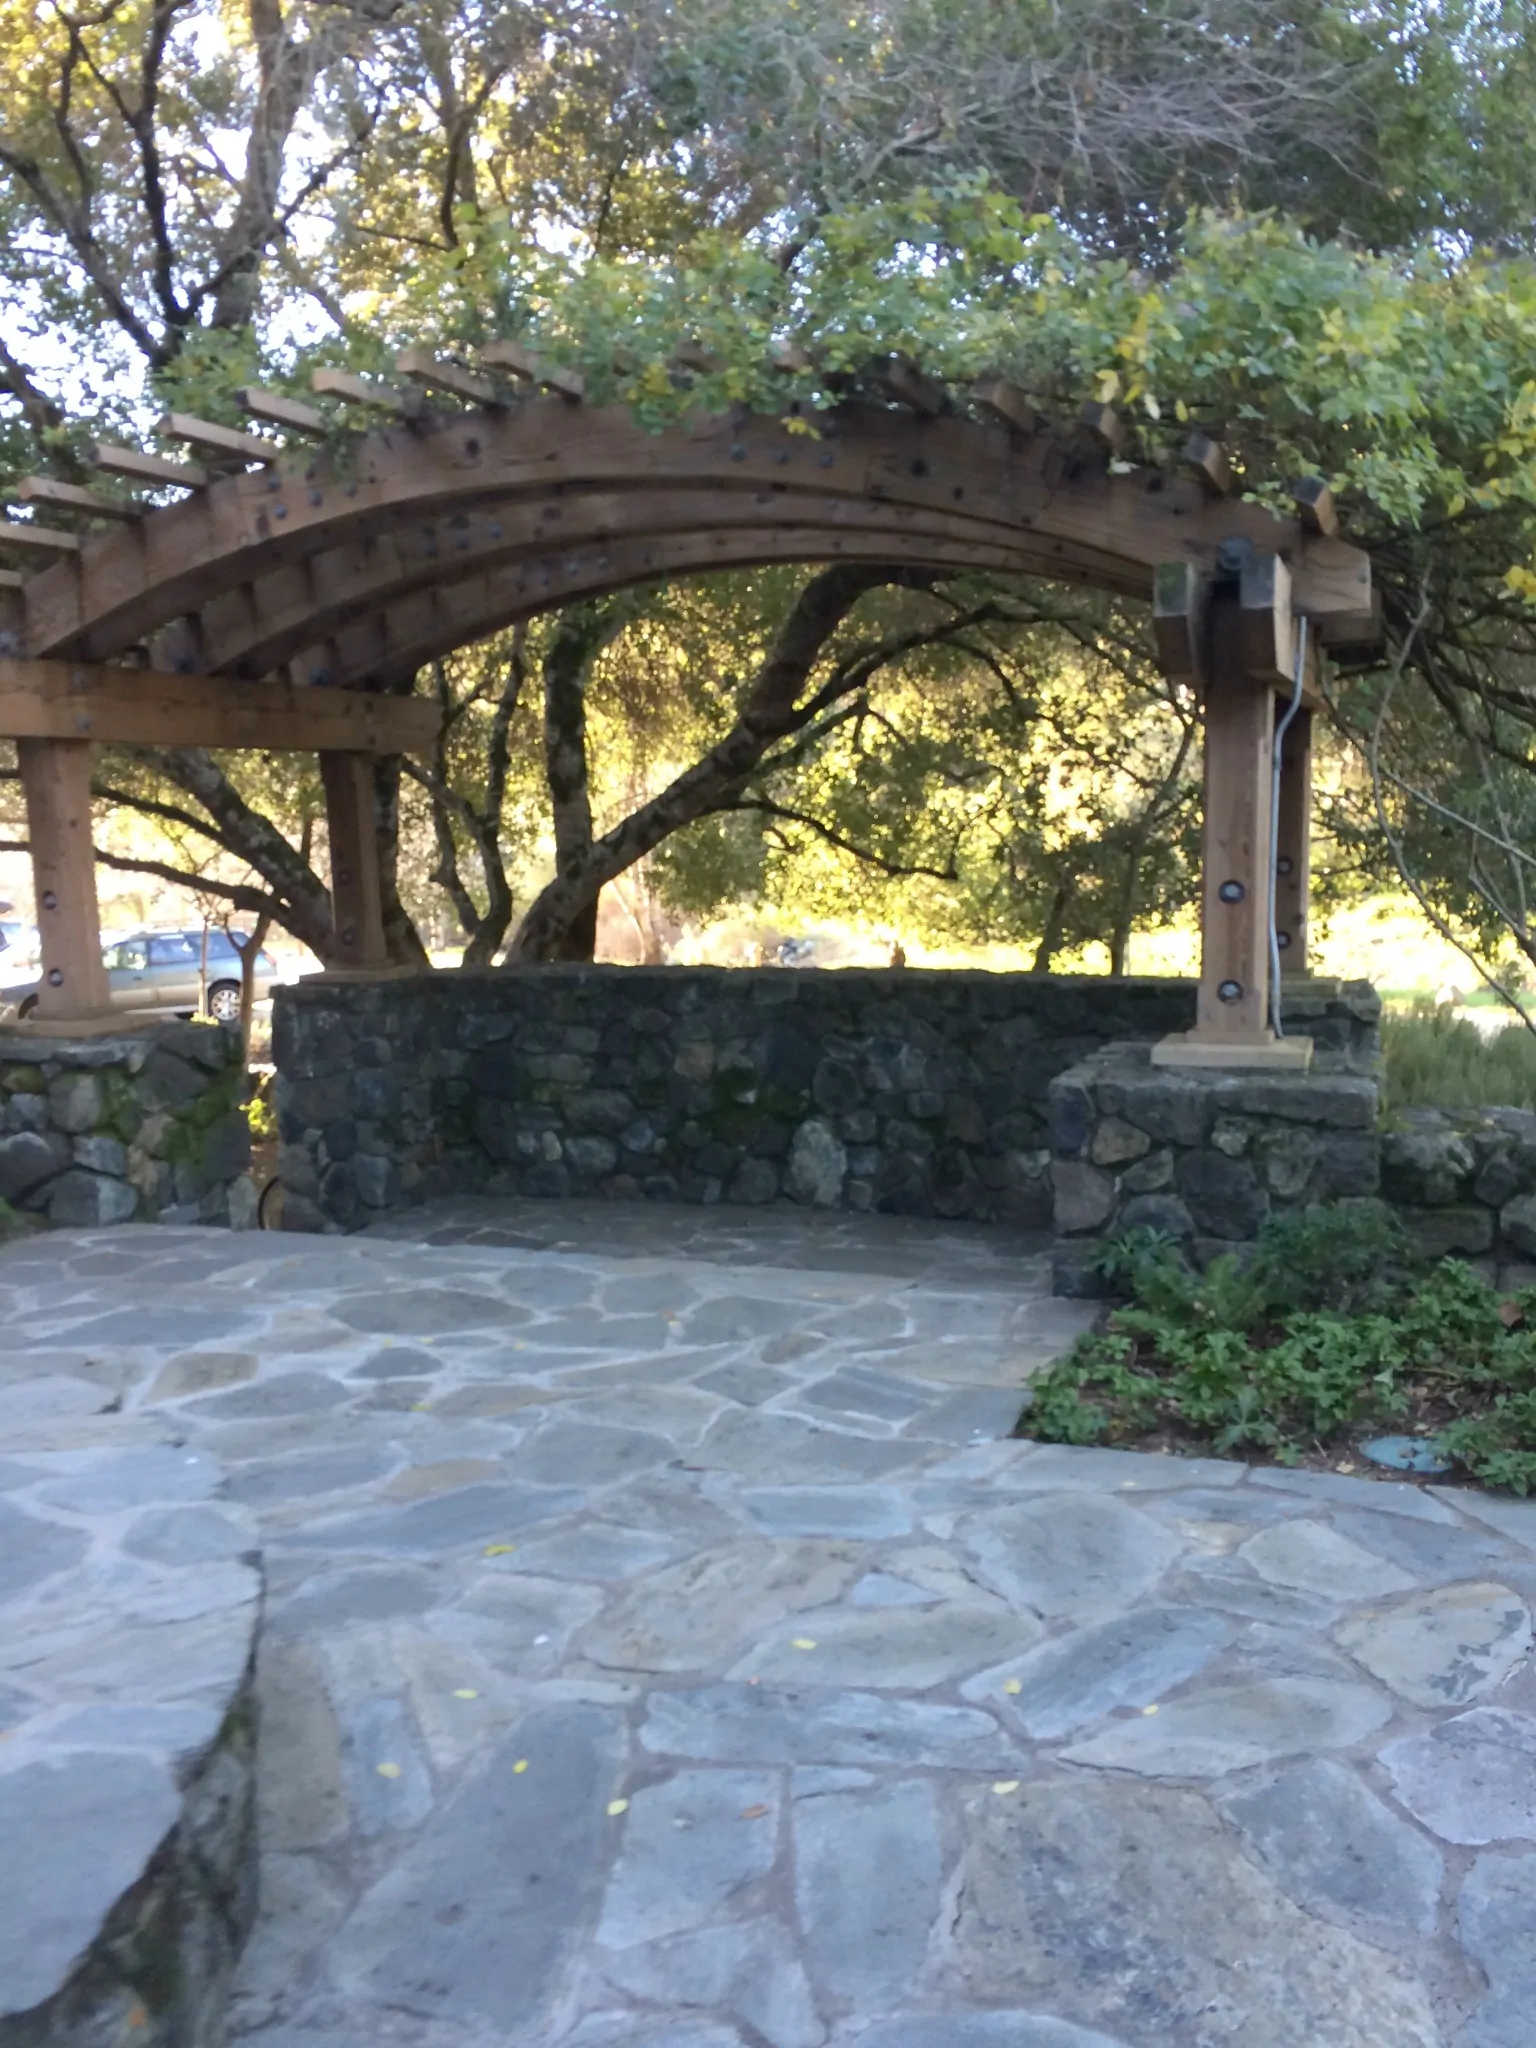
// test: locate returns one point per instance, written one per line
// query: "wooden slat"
(358, 391)
(1315, 507)
(42, 540)
(56, 778)
(789, 357)
(1180, 603)
(1104, 424)
(278, 410)
(47, 490)
(1008, 403)
(422, 367)
(140, 468)
(694, 356)
(1206, 460)
(518, 361)
(223, 442)
(146, 707)
(904, 380)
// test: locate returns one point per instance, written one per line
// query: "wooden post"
(1233, 1003)
(1293, 843)
(356, 897)
(1232, 1027)
(56, 778)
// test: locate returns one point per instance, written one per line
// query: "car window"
(129, 956)
(173, 949)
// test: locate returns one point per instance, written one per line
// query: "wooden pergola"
(288, 594)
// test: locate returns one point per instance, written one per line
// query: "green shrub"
(1440, 1061)
(1327, 1329)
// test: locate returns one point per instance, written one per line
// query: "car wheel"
(224, 1002)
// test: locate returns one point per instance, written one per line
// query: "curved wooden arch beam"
(124, 586)
(388, 648)
(256, 629)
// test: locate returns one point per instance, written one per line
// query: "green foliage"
(1328, 1330)
(1435, 1059)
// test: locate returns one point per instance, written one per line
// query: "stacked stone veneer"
(1206, 1156)
(146, 1126)
(903, 1091)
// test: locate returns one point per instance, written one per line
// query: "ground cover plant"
(1327, 1331)
(1436, 1060)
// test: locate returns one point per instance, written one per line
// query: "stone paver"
(665, 1648)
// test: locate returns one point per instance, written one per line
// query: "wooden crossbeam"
(358, 391)
(1180, 604)
(1268, 623)
(59, 700)
(224, 443)
(422, 367)
(12, 579)
(278, 410)
(62, 497)
(1206, 460)
(521, 362)
(41, 540)
(140, 468)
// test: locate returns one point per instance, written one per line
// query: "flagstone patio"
(664, 1647)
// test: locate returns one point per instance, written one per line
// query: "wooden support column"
(1232, 1027)
(356, 896)
(56, 778)
(1233, 1005)
(1293, 842)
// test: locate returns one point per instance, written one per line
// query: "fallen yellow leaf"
(499, 1549)
(616, 1807)
(805, 1642)
(387, 1770)
(1014, 1685)
(1149, 1710)
(1005, 1785)
(753, 1812)
(465, 1692)
(519, 1767)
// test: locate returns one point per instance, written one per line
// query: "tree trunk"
(771, 714)
(580, 636)
(1055, 929)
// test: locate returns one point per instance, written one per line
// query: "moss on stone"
(23, 1080)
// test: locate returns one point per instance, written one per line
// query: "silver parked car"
(163, 971)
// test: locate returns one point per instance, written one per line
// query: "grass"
(1436, 1060)
(1329, 1330)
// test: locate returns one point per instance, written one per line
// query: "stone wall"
(897, 1090)
(1201, 1155)
(148, 1125)
(1206, 1156)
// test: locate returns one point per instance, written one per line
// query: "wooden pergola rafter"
(313, 582)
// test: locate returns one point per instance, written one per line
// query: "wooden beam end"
(1315, 507)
